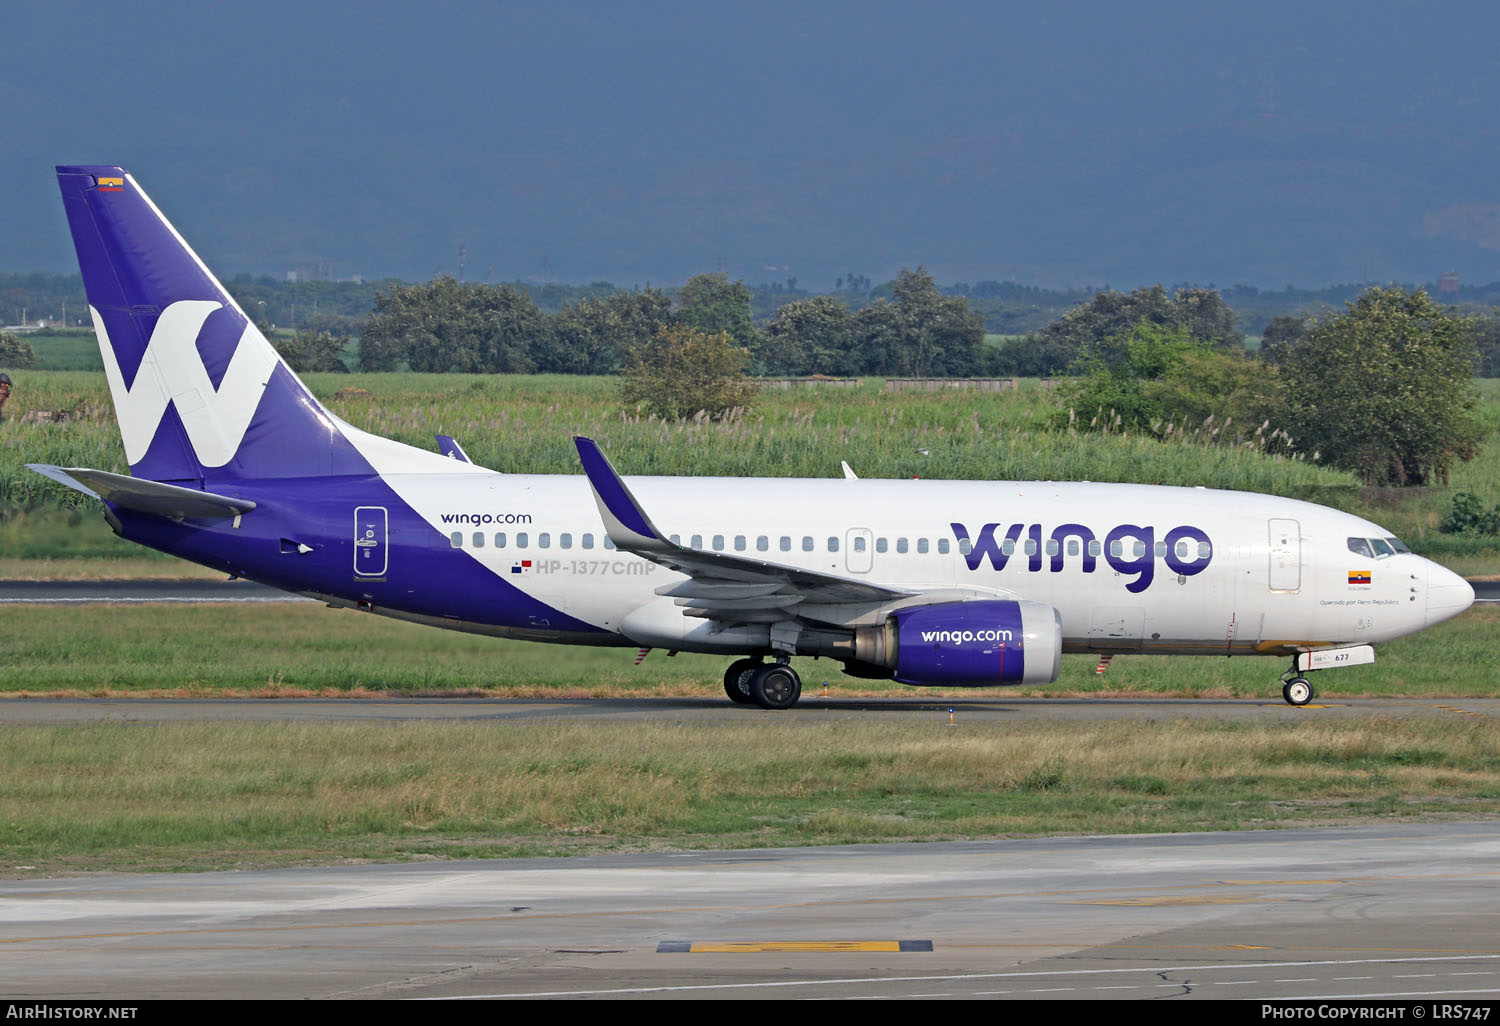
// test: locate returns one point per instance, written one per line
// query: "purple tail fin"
(200, 395)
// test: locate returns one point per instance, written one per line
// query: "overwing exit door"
(859, 550)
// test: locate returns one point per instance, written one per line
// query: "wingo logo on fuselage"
(1128, 549)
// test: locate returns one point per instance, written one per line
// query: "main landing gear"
(768, 685)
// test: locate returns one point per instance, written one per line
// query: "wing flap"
(739, 617)
(711, 607)
(693, 588)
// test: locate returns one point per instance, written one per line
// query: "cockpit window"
(1376, 548)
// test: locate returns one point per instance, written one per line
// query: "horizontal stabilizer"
(145, 496)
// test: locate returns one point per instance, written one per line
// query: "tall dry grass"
(209, 795)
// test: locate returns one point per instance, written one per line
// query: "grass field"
(72, 349)
(66, 350)
(161, 797)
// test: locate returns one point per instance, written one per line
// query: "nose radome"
(1447, 594)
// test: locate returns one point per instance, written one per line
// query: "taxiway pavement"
(1403, 911)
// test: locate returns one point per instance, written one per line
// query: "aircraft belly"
(1116, 628)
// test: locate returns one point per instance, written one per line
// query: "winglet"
(449, 447)
(626, 522)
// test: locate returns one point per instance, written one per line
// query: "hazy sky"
(1105, 143)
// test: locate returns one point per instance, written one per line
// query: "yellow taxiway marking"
(1171, 900)
(1281, 883)
(737, 947)
(1461, 712)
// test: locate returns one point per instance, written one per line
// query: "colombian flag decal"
(1359, 577)
(111, 184)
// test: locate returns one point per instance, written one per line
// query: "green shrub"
(684, 371)
(1467, 516)
(16, 351)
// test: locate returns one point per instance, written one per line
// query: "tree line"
(447, 325)
(1384, 389)
(1008, 308)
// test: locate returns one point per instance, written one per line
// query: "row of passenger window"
(859, 543)
(522, 540)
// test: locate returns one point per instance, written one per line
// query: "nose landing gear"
(1297, 691)
(1295, 688)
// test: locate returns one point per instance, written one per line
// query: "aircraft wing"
(724, 587)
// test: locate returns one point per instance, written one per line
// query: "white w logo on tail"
(172, 372)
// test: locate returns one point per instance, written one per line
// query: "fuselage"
(1128, 567)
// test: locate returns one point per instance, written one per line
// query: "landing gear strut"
(768, 685)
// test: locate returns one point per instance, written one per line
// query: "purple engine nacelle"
(974, 644)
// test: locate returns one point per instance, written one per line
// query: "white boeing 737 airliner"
(235, 465)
